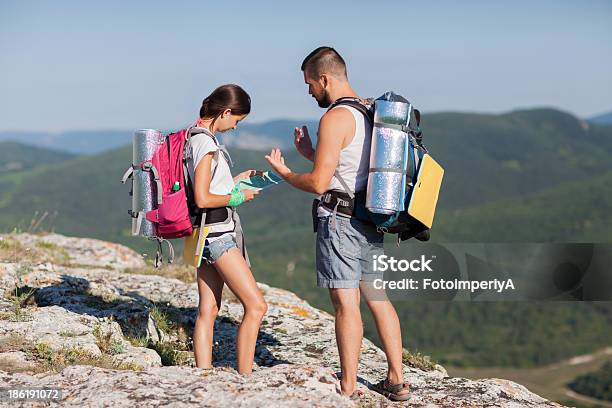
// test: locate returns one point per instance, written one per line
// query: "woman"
(223, 262)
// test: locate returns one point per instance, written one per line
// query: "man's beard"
(325, 100)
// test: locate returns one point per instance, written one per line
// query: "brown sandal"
(391, 391)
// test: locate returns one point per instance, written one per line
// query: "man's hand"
(277, 162)
(303, 143)
(335, 128)
(244, 175)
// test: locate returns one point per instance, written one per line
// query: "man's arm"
(335, 127)
(303, 143)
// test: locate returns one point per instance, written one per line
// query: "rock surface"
(89, 303)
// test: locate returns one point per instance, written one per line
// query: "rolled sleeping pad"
(144, 198)
(388, 155)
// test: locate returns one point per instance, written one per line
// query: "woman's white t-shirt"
(203, 142)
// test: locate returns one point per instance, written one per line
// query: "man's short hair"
(324, 60)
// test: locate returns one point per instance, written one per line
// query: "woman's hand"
(239, 197)
(249, 195)
(303, 143)
(244, 175)
(277, 162)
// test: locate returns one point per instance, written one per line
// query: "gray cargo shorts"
(345, 249)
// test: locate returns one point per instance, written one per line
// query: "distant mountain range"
(15, 156)
(251, 136)
(262, 136)
(488, 158)
(75, 141)
(602, 119)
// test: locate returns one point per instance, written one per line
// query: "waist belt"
(217, 215)
(338, 201)
(214, 216)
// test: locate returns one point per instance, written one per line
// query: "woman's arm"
(201, 186)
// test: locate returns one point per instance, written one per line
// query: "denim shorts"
(213, 250)
(345, 250)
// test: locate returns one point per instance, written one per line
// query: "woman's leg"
(237, 275)
(210, 287)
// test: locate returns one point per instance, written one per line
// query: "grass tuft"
(160, 318)
(418, 360)
(171, 353)
(20, 299)
(105, 341)
(51, 360)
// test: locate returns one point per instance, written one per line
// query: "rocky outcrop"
(71, 316)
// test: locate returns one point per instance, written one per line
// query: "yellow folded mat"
(194, 246)
(425, 193)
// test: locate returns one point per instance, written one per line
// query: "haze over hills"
(576, 211)
(537, 175)
(74, 141)
(16, 156)
(602, 119)
(487, 158)
(255, 136)
(262, 136)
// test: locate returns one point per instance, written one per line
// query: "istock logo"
(383, 263)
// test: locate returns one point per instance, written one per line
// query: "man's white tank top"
(353, 164)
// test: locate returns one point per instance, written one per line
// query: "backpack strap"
(148, 166)
(140, 215)
(191, 170)
(145, 166)
(357, 103)
(128, 174)
(401, 128)
(344, 185)
(360, 105)
(190, 155)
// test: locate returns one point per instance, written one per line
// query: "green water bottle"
(176, 187)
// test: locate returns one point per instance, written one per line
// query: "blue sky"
(118, 64)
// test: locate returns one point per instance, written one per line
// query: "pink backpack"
(170, 214)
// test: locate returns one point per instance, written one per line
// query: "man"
(345, 245)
